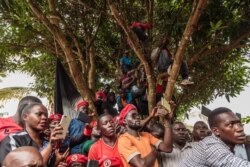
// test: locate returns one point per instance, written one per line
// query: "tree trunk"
(137, 48)
(198, 7)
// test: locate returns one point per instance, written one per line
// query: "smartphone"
(165, 104)
(92, 163)
(65, 121)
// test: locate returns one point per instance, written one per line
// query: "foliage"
(246, 120)
(13, 93)
(215, 55)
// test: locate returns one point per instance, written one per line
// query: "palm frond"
(10, 93)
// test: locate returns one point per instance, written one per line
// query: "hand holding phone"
(55, 136)
(65, 121)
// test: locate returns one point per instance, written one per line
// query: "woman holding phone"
(35, 120)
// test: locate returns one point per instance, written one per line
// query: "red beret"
(81, 103)
(76, 158)
(55, 117)
(99, 95)
(125, 111)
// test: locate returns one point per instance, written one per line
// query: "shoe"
(186, 82)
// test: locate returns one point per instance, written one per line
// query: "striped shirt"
(174, 158)
(212, 152)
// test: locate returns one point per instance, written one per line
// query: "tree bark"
(137, 48)
(191, 24)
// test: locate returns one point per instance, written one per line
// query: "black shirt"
(14, 141)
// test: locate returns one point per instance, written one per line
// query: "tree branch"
(95, 33)
(204, 79)
(191, 24)
(75, 72)
(204, 51)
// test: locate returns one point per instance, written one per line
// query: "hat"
(55, 117)
(76, 158)
(125, 111)
(81, 103)
(99, 95)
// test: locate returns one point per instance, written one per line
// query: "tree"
(86, 35)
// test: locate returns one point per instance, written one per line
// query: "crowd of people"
(125, 133)
(32, 138)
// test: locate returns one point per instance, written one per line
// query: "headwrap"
(55, 117)
(125, 111)
(76, 158)
(81, 103)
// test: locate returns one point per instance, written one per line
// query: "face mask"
(83, 117)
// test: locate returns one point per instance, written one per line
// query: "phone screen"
(65, 121)
(165, 104)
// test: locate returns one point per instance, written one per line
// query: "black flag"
(66, 95)
(205, 111)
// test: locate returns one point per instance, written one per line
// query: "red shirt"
(106, 155)
(8, 126)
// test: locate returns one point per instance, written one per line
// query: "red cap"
(81, 103)
(125, 111)
(76, 158)
(55, 117)
(99, 95)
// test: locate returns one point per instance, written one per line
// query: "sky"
(238, 104)
(16, 79)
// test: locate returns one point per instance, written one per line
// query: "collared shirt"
(212, 152)
(240, 151)
(174, 158)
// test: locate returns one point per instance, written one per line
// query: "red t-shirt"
(8, 126)
(106, 155)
